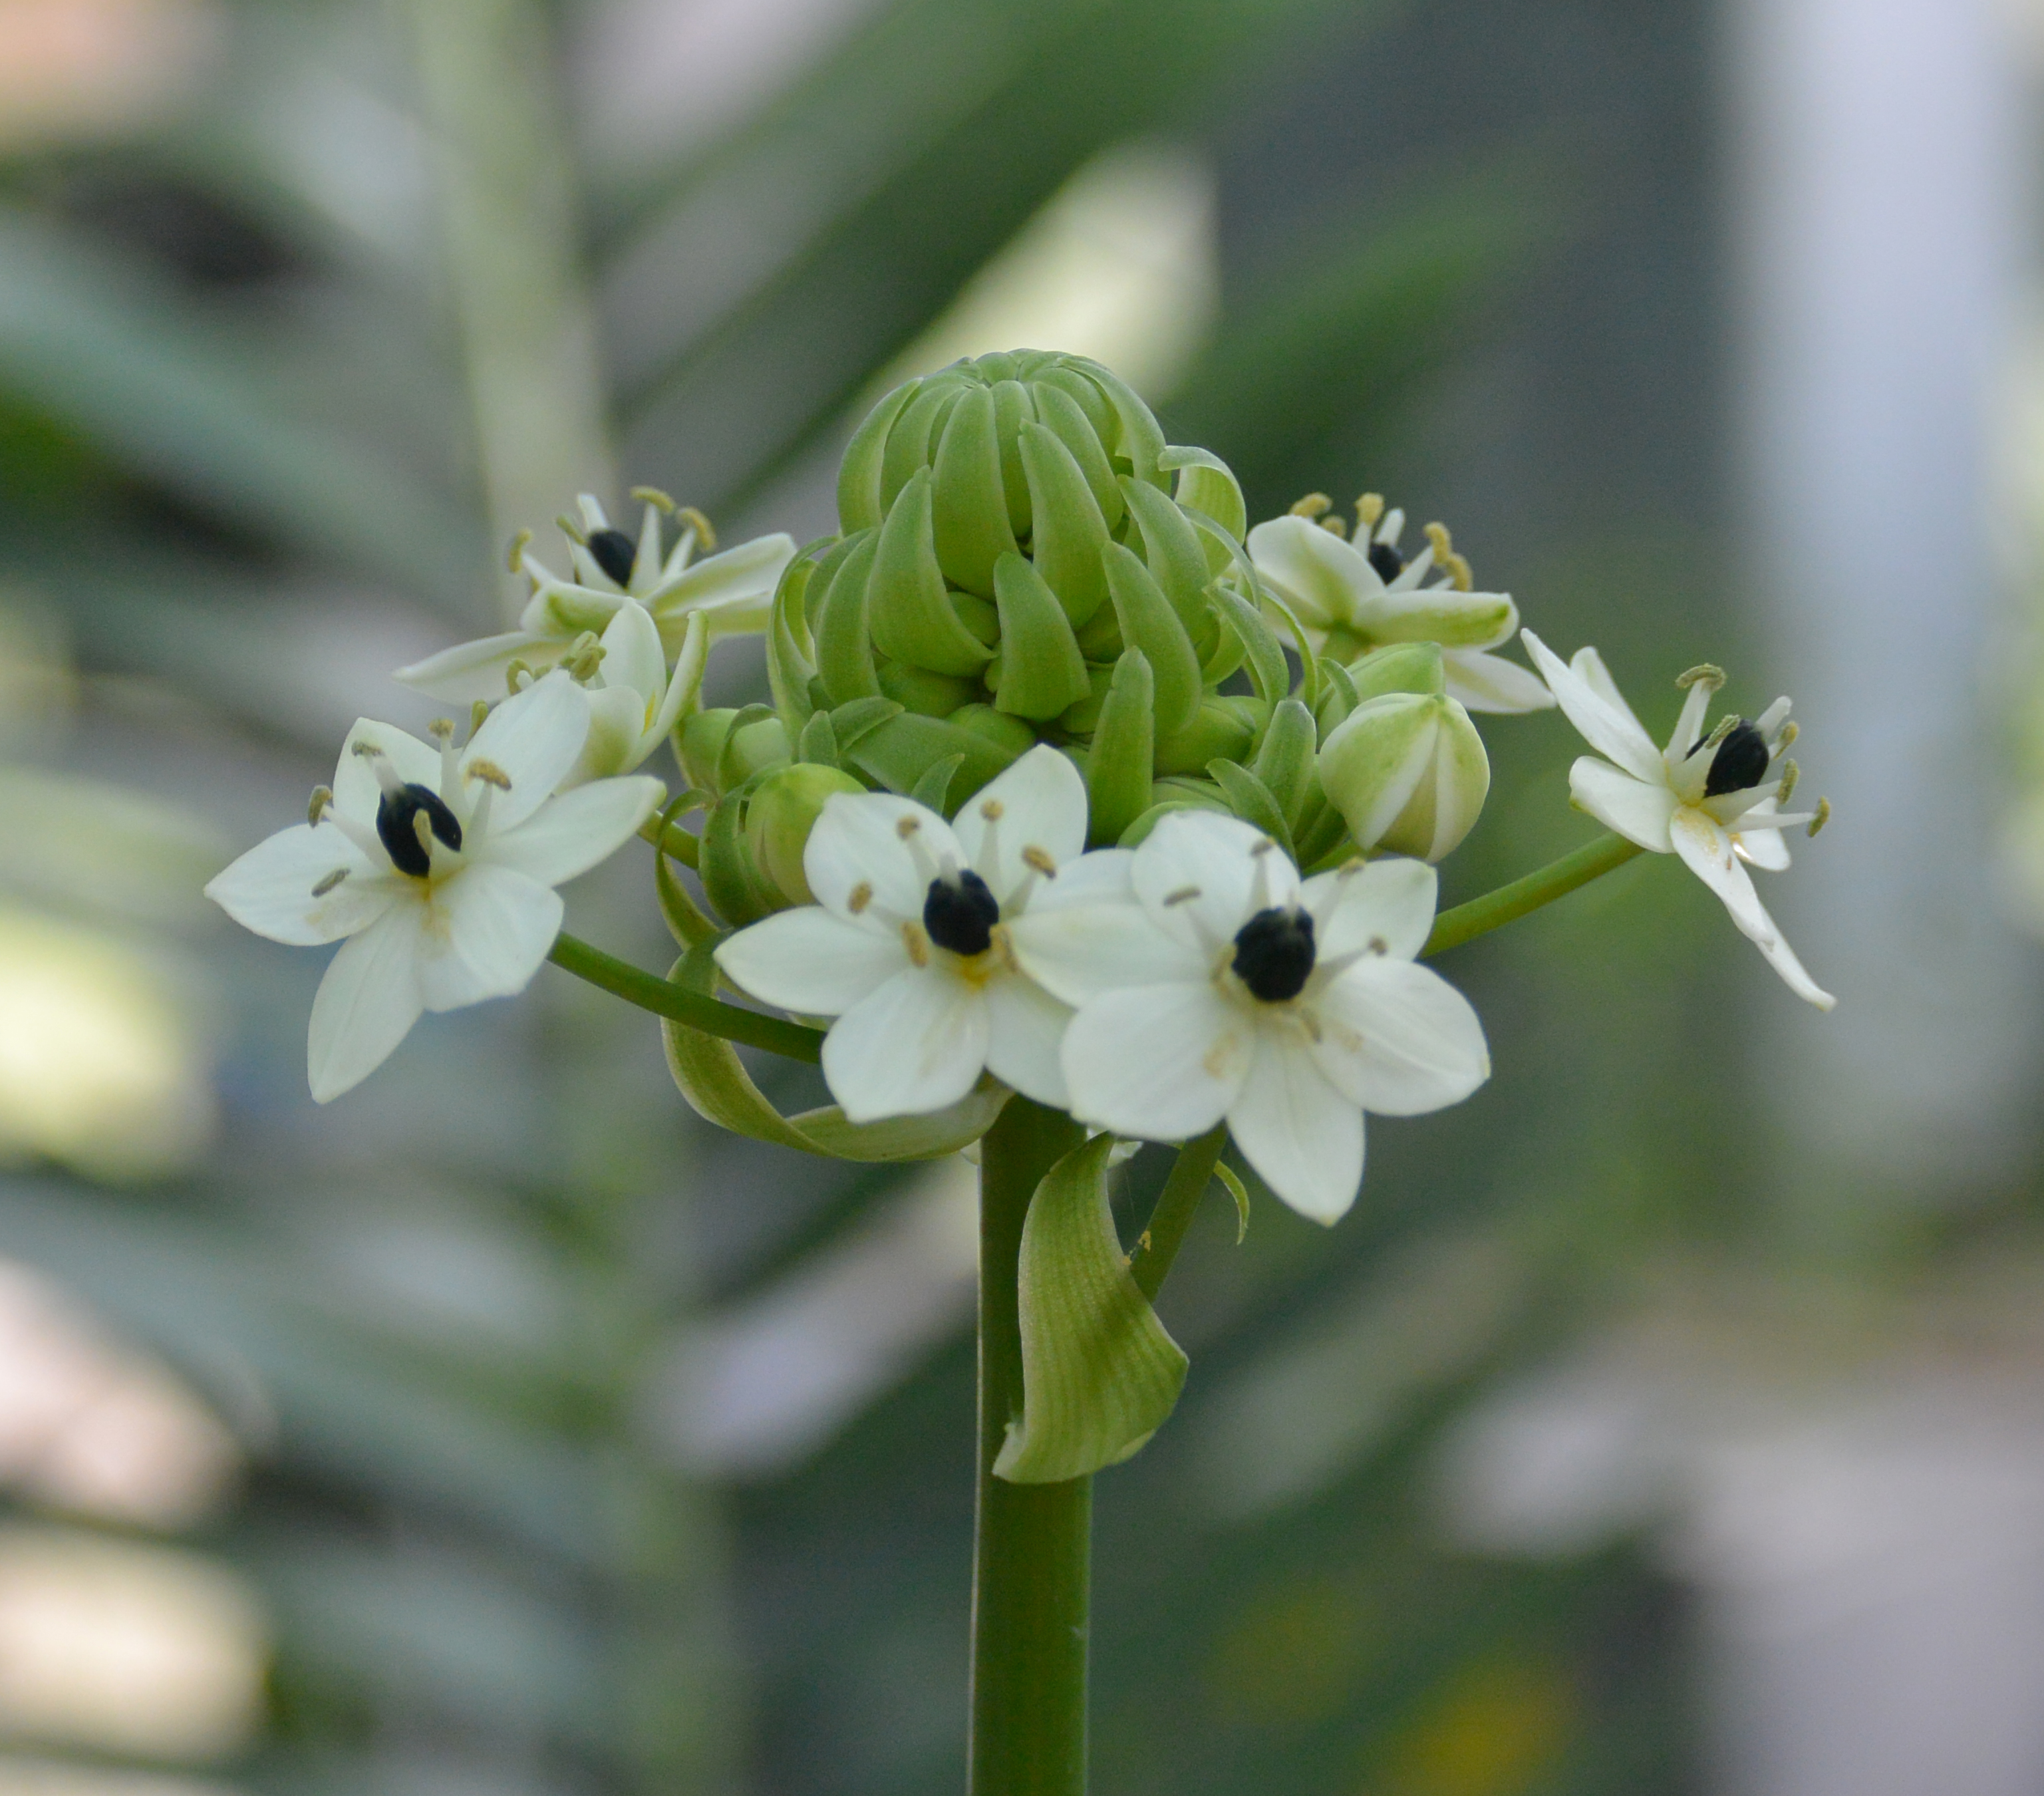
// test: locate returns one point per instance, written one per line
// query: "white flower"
(634, 702)
(438, 865)
(1353, 597)
(733, 591)
(910, 944)
(1715, 800)
(1224, 987)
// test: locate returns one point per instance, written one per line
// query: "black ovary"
(1274, 954)
(1740, 762)
(614, 553)
(959, 914)
(400, 835)
(1388, 562)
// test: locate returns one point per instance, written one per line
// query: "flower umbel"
(912, 944)
(1713, 799)
(1224, 986)
(438, 865)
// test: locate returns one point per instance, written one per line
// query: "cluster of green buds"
(1022, 558)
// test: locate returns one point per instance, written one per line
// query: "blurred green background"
(503, 1430)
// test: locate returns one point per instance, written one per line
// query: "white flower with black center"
(1714, 798)
(732, 592)
(911, 943)
(438, 865)
(1224, 986)
(1353, 595)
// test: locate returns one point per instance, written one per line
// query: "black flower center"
(400, 835)
(1740, 762)
(614, 553)
(1388, 562)
(960, 914)
(1274, 954)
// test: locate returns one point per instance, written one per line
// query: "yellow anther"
(654, 498)
(1263, 847)
(1823, 816)
(1333, 524)
(328, 883)
(1184, 894)
(1789, 731)
(1702, 674)
(1790, 774)
(1456, 567)
(572, 528)
(479, 713)
(1377, 945)
(322, 799)
(513, 676)
(1369, 508)
(1039, 861)
(907, 826)
(1313, 504)
(490, 773)
(697, 522)
(916, 942)
(992, 809)
(519, 545)
(1727, 725)
(441, 729)
(860, 896)
(367, 751)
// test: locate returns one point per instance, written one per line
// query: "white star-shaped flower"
(732, 591)
(911, 943)
(1716, 799)
(438, 866)
(1223, 986)
(1354, 596)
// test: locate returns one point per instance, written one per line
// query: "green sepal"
(917, 689)
(860, 506)
(758, 740)
(849, 722)
(911, 610)
(1285, 758)
(968, 504)
(1062, 414)
(1013, 412)
(934, 787)
(1268, 673)
(1218, 729)
(1118, 762)
(1336, 698)
(1148, 622)
(818, 742)
(1068, 529)
(843, 635)
(1404, 666)
(1142, 441)
(737, 890)
(1236, 1189)
(1099, 1373)
(1171, 550)
(708, 1074)
(900, 751)
(1251, 800)
(1042, 671)
(1207, 485)
(908, 443)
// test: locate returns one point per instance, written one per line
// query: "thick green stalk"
(1509, 903)
(1032, 1544)
(665, 999)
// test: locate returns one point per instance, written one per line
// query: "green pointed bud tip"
(783, 809)
(1408, 774)
(1405, 667)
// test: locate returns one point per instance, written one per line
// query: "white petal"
(1488, 682)
(532, 739)
(357, 793)
(1038, 802)
(916, 1045)
(481, 669)
(1689, 724)
(1323, 576)
(735, 587)
(1757, 845)
(617, 739)
(1638, 809)
(632, 653)
(685, 684)
(1104, 876)
(1437, 613)
(1163, 1062)
(366, 1005)
(1303, 1136)
(1026, 1029)
(1205, 875)
(811, 962)
(858, 841)
(269, 889)
(570, 834)
(1077, 950)
(1398, 1039)
(1389, 901)
(1604, 718)
(1706, 850)
(489, 929)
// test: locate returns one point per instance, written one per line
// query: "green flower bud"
(1406, 666)
(721, 749)
(778, 816)
(1408, 772)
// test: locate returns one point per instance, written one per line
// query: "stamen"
(1038, 861)
(917, 943)
(322, 800)
(570, 528)
(490, 773)
(1313, 504)
(1823, 816)
(1703, 672)
(1460, 573)
(442, 730)
(654, 498)
(992, 809)
(519, 545)
(1790, 774)
(517, 676)
(1369, 508)
(1786, 739)
(1184, 895)
(328, 883)
(860, 896)
(696, 522)
(907, 826)
(479, 714)
(1333, 522)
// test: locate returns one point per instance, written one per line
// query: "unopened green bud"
(1408, 772)
(779, 814)
(721, 749)
(1118, 766)
(1405, 667)
(1285, 758)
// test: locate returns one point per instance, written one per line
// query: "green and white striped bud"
(1405, 767)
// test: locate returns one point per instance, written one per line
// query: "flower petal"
(532, 739)
(617, 739)
(1437, 613)
(1390, 900)
(1038, 802)
(570, 834)
(271, 888)
(858, 841)
(1303, 1136)
(489, 929)
(1757, 845)
(480, 670)
(1203, 875)
(1706, 850)
(811, 962)
(1163, 1062)
(366, 1005)
(356, 794)
(1638, 809)
(735, 587)
(1591, 703)
(1490, 683)
(1398, 1039)
(916, 1045)
(1105, 876)
(1323, 576)
(1077, 950)
(632, 653)
(1026, 1029)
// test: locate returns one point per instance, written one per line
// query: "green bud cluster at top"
(1023, 558)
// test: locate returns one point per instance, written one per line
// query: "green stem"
(665, 999)
(1509, 903)
(1176, 1204)
(1031, 1545)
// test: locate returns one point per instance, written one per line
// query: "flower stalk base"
(1032, 1543)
